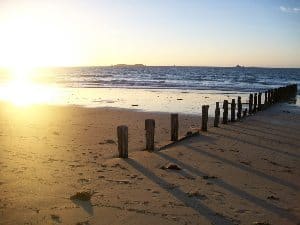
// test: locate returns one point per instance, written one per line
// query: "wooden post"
(259, 101)
(225, 112)
(123, 141)
(269, 97)
(232, 110)
(217, 115)
(280, 93)
(174, 127)
(250, 103)
(255, 102)
(275, 95)
(204, 117)
(240, 106)
(245, 113)
(266, 99)
(150, 130)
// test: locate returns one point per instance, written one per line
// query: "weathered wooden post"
(245, 113)
(225, 111)
(293, 91)
(204, 117)
(287, 92)
(232, 110)
(269, 97)
(275, 95)
(280, 93)
(259, 101)
(150, 131)
(217, 115)
(255, 102)
(266, 99)
(240, 108)
(123, 141)
(250, 103)
(174, 127)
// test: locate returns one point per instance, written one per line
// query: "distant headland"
(128, 65)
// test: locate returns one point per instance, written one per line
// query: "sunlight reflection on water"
(21, 93)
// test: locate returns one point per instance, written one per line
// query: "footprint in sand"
(83, 181)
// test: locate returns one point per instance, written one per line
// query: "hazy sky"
(153, 32)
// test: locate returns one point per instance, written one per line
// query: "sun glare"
(22, 91)
(30, 38)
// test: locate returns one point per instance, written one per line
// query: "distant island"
(239, 66)
(126, 65)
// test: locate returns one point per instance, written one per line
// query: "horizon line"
(145, 65)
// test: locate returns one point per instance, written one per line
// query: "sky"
(37, 33)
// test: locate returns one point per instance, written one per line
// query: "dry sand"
(246, 172)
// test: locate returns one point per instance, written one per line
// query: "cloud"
(289, 9)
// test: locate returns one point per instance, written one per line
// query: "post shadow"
(234, 190)
(247, 169)
(86, 205)
(257, 145)
(181, 196)
(263, 131)
(261, 137)
(279, 129)
(282, 127)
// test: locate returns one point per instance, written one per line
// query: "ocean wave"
(163, 77)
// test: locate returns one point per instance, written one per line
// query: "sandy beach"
(242, 173)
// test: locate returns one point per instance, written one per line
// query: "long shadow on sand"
(267, 130)
(255, 144)
(86, 205)
(236, 191)
(242, 167)
(238, 130)
(269, 125)
(181, 196)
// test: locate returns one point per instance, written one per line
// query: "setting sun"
(21, 90)
(28, 42)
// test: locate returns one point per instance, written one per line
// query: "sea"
(176, 77)
(152, 88)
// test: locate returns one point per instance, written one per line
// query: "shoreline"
(158, 100)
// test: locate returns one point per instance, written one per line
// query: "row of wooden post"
(255, 104)
(272, 96)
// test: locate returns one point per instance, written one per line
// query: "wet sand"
(246, 172)
(147, 100)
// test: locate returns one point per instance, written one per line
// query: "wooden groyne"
(271, 97)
